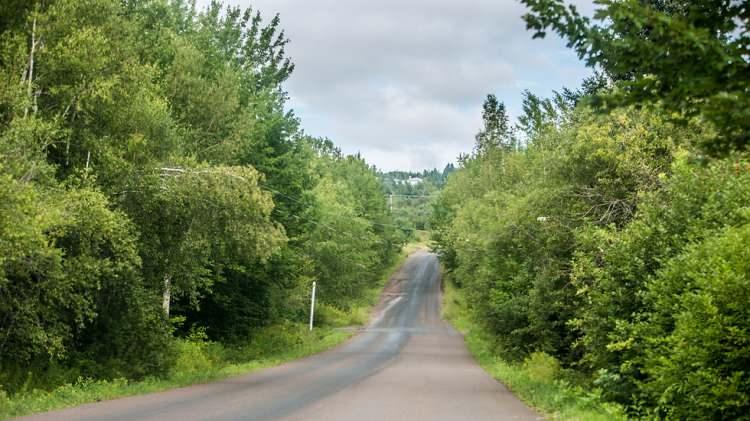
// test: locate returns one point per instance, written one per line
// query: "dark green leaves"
(148, 161)
(690, 57)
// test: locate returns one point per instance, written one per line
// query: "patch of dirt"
(391, 291)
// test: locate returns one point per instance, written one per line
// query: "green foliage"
(71, 287)
(353, 239)
(688, 56)
(610, 243)
(507, 222)
(197, 221)
(698, 311)
(541, 367)
(610, 265)
(497, 131)
(579, 246)
(150, 168)
(538, 380)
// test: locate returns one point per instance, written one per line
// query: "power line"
(411, 195)
(269, 189)
(296, 200)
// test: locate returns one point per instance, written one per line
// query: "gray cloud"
(403, 81)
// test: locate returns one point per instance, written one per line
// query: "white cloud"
(403, 81)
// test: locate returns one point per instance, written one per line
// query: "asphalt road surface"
(407, 365)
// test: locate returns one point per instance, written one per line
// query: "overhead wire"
(270, 189)
(327, 226)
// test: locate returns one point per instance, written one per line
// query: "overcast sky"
(402, 81)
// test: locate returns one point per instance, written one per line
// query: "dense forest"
(608, 228)
(155, 185)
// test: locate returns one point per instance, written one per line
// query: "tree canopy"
(688, 56)
(155, 183)
(613, 238)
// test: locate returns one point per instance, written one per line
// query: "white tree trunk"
(167, 294)
(30, 72)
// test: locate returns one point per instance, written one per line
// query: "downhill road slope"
(407, 365)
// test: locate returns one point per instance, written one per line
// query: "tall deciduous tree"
(496, 132)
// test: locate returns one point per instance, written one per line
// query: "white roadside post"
(312, 306)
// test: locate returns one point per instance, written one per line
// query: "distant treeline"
(411, 195)
(397, 182)
(153, 184)
(609, 226)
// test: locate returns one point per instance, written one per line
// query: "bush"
(613, 267)
(195, 355)
(73, 301)
(698, 333)
(541, 367)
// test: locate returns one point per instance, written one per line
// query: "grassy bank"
(199, 360)
(420, 241)
(539, 381)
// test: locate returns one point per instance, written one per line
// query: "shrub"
(193, 357)
(541, 367)
(698, 334)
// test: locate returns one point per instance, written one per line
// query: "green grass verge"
(200, 361)
(538, 381)
(421, 241)
(358, 314)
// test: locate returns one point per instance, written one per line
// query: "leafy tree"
(507, 224)
(70, 287)
(496, 132)
(196, 221)
(540, 114)
(149, 161)
(353, 237)
(611, 264)
(688, 56)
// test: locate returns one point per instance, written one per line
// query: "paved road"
(407, 365)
